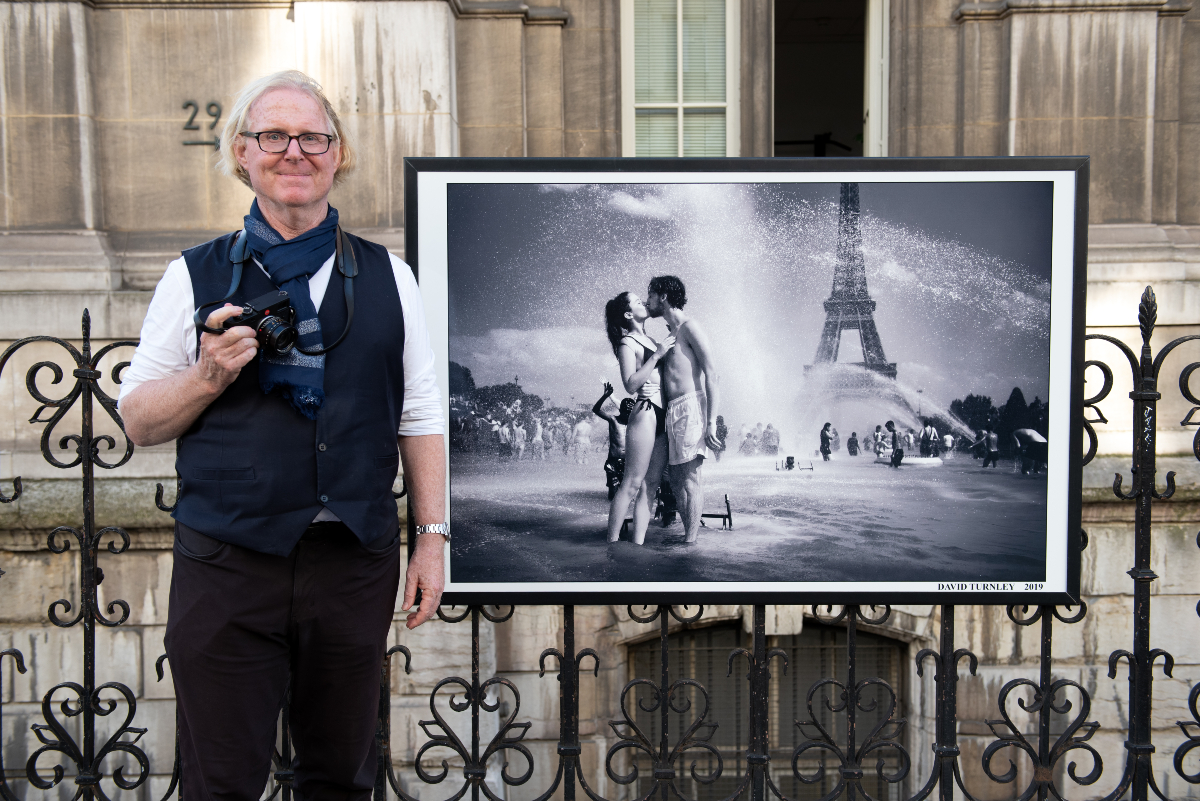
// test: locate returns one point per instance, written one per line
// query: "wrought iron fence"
(853, 758)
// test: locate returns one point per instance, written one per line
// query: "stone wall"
(99, 187)
(98, 192)
(1116, 81)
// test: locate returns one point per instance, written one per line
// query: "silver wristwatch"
(435, 528)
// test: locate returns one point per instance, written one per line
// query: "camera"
(273, 320)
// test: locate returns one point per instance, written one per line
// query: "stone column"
(758, 77)
(591, 78)
(50, 200)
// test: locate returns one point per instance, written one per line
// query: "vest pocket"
(223, 473)
(382, 462)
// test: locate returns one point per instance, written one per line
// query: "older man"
(287, 554)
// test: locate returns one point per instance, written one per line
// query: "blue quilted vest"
(255, 472)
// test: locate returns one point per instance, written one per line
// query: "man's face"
(293, 178)
(656, 304)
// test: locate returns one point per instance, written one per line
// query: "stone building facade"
(108, 111)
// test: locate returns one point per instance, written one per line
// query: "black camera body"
(273, 320)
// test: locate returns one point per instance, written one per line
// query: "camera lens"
(276, 335)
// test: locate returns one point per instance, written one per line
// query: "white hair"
(239, 117)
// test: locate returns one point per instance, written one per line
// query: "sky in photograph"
(959, 271)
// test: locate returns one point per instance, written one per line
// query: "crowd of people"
(510, 434)
(1028, 445)
(758, 441)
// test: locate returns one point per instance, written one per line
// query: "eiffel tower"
(849, 306)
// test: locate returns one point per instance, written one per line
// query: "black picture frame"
(426, 234)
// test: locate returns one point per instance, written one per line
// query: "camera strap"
(239, 254)
(344, 253)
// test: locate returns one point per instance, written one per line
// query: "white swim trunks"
(687, 422)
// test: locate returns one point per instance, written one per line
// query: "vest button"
(321, 447)
(324, 499)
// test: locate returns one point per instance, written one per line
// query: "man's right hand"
(223, 356)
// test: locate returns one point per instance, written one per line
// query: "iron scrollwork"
(665, 696)
(1048, 697)
(89, 699)
(475, 697)
(1049, 753)
(1137, 777)
(884, 736)
(6, 793)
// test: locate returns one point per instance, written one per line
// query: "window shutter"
(704, 51)
(656, 51)
(704, 132)
(657, 132)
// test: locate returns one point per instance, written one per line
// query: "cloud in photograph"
(537, 358)
(651, 206)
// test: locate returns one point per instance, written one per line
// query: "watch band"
(435, 528)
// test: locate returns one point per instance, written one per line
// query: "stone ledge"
(999, 9)
(1115, 511)
(499, 9)
(140, 539)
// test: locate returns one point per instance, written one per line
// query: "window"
(679, 82)
(831, 77)
(819, 651)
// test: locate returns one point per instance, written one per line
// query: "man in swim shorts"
(692, 393)
(1031, 450)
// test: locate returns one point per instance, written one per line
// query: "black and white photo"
(789, 382)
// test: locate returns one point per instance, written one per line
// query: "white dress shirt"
(168, 341)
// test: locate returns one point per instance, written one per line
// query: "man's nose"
(293, 149)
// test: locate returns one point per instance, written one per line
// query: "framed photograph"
(757, 380)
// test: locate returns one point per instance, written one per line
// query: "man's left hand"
(426, 572)
(711, 440)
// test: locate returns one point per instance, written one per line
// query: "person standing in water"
(581, 439)
(993, 448)
(897, 451)
(722, 435)
(537, 444)
(1031, 450)
(614, 466)
(639, 357)
(826, 442)
(692, 390)
(519, 437)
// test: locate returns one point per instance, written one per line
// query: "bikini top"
(650, 390)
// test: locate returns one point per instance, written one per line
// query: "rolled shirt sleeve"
(168, 342)
(422, 398)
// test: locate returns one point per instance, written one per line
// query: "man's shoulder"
(202, 252)
(367, 245)
(689, 328)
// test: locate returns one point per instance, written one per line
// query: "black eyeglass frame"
(329, 139)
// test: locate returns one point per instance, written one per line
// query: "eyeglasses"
(314, 144)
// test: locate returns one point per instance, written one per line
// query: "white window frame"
(733, 82)
(875, 76)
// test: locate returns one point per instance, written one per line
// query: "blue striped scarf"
(290, 263)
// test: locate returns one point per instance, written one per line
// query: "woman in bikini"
(645, 437)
